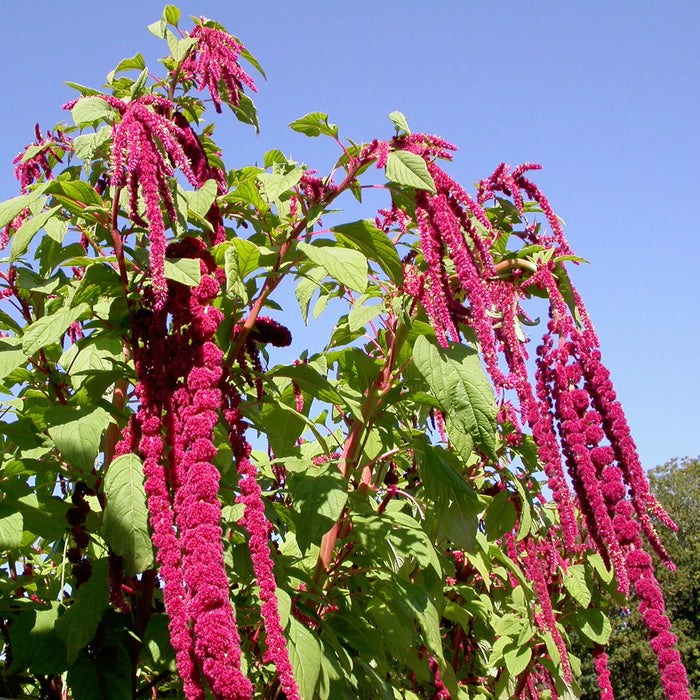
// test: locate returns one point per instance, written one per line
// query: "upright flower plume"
(145, 141)
(213, 63)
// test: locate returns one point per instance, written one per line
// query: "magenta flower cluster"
(33, 163)
(213, 63)
(571, 407)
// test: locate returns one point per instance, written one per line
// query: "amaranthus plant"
(423, 505)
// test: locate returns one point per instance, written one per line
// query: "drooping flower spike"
(573, 412)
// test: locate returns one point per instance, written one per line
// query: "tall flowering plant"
(417, 507)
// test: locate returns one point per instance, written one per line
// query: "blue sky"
(605, 95)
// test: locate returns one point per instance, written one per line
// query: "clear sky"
(605, 95)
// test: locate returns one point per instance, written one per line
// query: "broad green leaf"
(400, 122)
(347, 266)
(234, 282)
(310, 380)
(68, 192)
(24, 234)
(306, 288)
(410, 170)
(138, 84)
(374, 243)
(187, 271)
(360, 315)
(500, 516)
(171, 14)
(134, 63)
(34, 643)
(575, 583)
(517, 659)
(200, 201)
(594, 624)
(125, 521)
(314, 124)
(157, 649)
(77, 432)
(77, 626)
(85, 145)
(319, 497)
(91, 109)
(272, 185)
(457, 505)
(459, 384)
(11, 527)
(248, 256)
(288, 427)
(12, 207)
(245, 111)
(305, 655)
(11, 356)
(49, 329)
(179, 47)
(97, 280)
(415, 601)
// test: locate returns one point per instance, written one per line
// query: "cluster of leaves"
(389, 538)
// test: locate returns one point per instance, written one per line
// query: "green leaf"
(11, 356)
(92, 109)
(500, 516)
(34, 643)
(85, 145)
(310, 380)
(375, 244)
(187, 271)
(305, 655)
(77, 432)
(410, 170)
(125, 521)
(49, 329)
(78, 625)
(593, 624)
(272, 185)
(104, 674)
(200, 201)
(134, 63)
(27, 231)
(415, 601)
(349, 267)
(157, 649)
(11, 528)
(319, 497)
(314, 124)
(517, 659)
(171, 15)
(575, 583)
(12, 207)
(179, 48)
(400, 122)
(360, 315)
(70, 192)
(457, 505)
(459, 384)
(288, 427)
